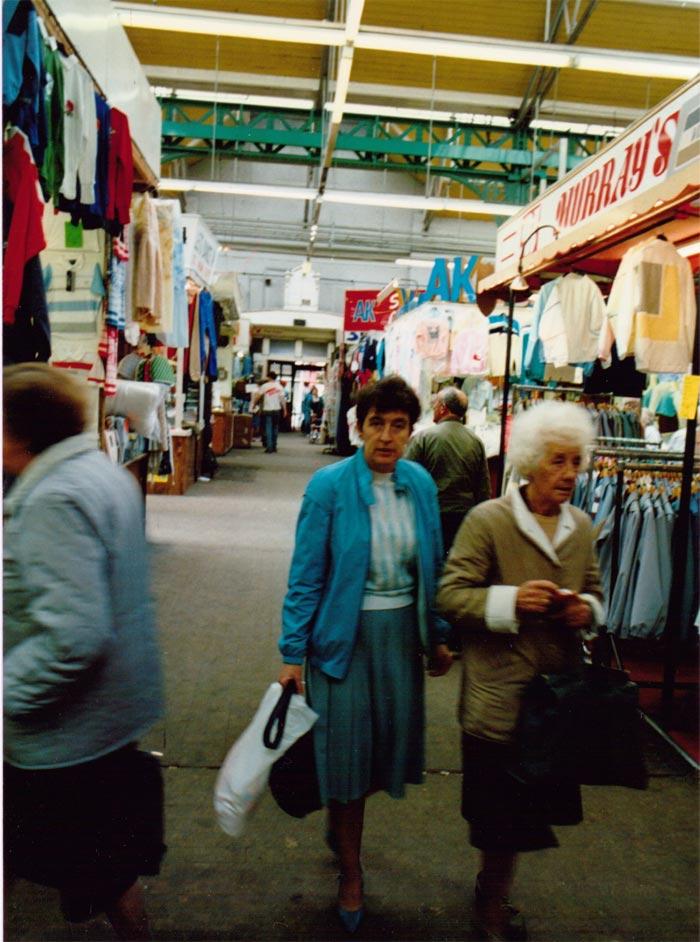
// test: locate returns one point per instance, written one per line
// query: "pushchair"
(315, 431)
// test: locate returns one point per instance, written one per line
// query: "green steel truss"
(495, 164)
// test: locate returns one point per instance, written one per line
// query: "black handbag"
(293, 779)
(583, 726)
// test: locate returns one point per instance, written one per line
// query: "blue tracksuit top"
(321, 610)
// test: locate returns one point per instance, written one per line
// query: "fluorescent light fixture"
(423, 114)
(451, 46)
(420, 203)
(234, 25)
(690, 248)
(635, 63)
(418, 263)
(232, 98)
(172, 184)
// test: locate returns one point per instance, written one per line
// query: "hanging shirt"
(164, 213)
(93, 216)
(470, 348)
(432, 338)
(651, 311)
(120, 172)
(22, 215)
(178, 335)
(583, 312)
(52, 167)
(79, 132)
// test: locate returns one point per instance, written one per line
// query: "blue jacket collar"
(364, 476)
(40, 466)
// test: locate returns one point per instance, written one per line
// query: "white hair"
(545, 424)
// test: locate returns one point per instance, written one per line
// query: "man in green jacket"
(456, 460)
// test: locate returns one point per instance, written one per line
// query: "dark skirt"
(506, 815)
(90, 830)
(370, 732)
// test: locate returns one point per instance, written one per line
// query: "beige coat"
(499, 546)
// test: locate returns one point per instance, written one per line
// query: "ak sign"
(362, 313)
(658, 146)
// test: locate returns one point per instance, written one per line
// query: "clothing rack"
(628, 459)
(574, 391)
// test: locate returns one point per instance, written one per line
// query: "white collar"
(529, 527)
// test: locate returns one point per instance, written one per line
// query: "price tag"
(689, 397)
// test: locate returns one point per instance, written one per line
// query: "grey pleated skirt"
(370, 732)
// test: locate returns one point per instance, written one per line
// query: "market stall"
(629, 217)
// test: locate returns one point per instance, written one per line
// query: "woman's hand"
(292, 673)
(536, 597)
(440, 661)
(575, 613)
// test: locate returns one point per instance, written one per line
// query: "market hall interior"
(220, 559)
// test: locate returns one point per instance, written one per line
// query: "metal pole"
(506, 392)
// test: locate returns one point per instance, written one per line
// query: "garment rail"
(625, 461)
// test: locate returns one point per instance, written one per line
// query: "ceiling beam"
(403, 41)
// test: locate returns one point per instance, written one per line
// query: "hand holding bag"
(581, 726)
(293, 777)
(246, 769)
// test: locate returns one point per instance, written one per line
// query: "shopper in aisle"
(273, 406)
(82, 676)
(521, 584)
(359, 611)
(456, 460)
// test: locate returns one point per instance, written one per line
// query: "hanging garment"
(148, 265)
(116, 298)
(52, 167)
(79, 132)
(23, 74)
(207, 335)
(93, 216)
(120, 172)
(165, 216)
(470, 348)
(498, 343)
(23, 233)
(583, 312)
(28, 339)
(651, 311)
(179, 335)
(432, 338)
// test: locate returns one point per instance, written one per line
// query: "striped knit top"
(391, 579)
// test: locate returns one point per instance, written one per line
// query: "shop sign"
(635, 162)
(362, 313)
(441, 287)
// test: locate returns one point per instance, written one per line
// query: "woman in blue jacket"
(359, 611)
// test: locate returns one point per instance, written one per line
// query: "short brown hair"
(391, 394)
(42, 405)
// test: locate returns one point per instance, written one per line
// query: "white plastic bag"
(243, 776)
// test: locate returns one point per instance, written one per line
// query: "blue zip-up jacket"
(321, 611)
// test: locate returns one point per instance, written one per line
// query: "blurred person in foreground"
(521, 584)
(82, 678)
(359, 611)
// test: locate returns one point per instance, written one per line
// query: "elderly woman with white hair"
(521, 585)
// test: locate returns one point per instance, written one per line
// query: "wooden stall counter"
(187, 452)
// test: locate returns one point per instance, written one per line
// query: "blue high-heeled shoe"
(351, 919)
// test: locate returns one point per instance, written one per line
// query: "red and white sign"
(362, 313)
(655, 148)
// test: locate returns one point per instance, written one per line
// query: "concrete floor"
(220, 568)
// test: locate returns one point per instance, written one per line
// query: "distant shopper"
(82, 678)
(306, 409)
(359, 611)
(273, 406)
(456, 460)
(522, 585)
